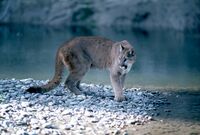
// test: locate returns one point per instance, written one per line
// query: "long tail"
(54, 82)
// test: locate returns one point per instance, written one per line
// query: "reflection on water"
(164, 58)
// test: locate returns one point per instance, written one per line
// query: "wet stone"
(125, 133)
(50, 126)
(21, 132)
(65, 127)
(25, 104)
(117, 132)
(94, 120)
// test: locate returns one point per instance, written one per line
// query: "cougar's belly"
(99, 63)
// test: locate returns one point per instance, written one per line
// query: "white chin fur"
(125, 71)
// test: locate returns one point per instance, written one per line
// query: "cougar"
(80, 54)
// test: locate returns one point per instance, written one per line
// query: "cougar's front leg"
(122, 80)
(116, 82)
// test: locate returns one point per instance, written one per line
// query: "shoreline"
(161, 88)
(61, 112)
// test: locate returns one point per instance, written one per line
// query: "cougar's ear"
(125, 42)
(121, 47)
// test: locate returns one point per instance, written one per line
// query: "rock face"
(176, 14)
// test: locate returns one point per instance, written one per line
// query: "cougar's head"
(127, 55)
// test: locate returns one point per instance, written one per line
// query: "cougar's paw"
(76, 92)
(120, 99)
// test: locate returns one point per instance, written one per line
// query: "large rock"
(176, 14)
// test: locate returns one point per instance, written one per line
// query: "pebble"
(81, 97)
(33, 121)
(167, 110)
(89, 114)
(46, 132)
(65, 127)
(125, 133)
(25, 104)
(21, 132)
(50, 126)
(59, 111)
(67, 112)
(94, 120)
(117, 132)
(18, 86)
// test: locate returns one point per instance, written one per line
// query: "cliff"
(181, 15)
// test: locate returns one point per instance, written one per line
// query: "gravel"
(60, 112)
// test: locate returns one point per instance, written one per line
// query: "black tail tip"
(34, 90)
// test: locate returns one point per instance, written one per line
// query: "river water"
(165, 58)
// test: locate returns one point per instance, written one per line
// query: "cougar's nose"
(133, 53)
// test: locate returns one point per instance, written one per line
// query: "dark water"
(165, 58)
(180, 105)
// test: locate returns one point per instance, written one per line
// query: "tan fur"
(82, 53)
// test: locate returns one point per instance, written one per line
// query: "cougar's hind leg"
(78, 85)
(73, 80)
(77, 66)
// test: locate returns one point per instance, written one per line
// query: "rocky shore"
(60, 112)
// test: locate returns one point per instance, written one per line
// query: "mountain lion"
(82, 53)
